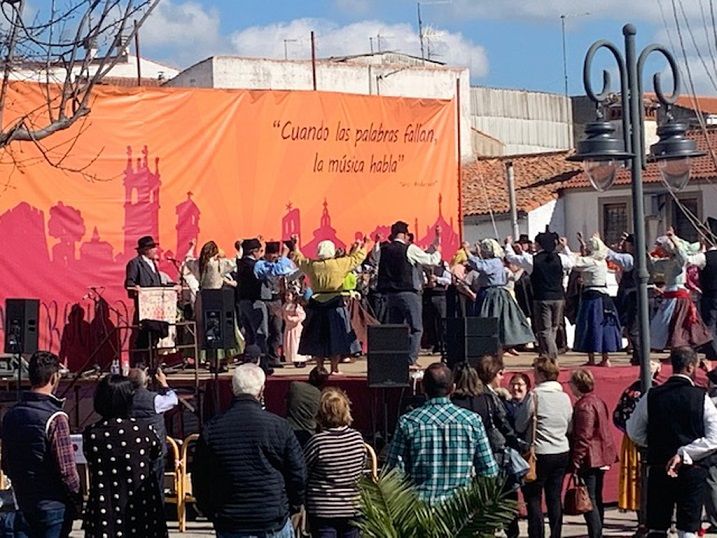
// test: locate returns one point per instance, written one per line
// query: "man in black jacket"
(677, 422)
(249, 472)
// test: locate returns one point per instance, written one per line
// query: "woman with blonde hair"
(335, 459)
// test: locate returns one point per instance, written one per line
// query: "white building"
(381, 73)
(519, 121)
(123, 73)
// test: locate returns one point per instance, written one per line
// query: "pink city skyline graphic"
(60, 268)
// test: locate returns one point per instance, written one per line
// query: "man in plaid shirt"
(440, 446)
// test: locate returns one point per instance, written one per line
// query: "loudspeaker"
(216, 317)
(388, 356)
(21, 325)
(470, 338)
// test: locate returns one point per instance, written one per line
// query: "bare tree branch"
(67, 51)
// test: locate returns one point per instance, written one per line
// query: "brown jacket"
(593, 445)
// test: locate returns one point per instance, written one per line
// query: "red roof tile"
(538, 178)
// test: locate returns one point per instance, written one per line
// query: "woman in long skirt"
(327, 332)
(677, 321)
(598, 325)
(494, 300)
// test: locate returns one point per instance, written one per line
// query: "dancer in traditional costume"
(598, 327)
(677, 322)
(494, 300)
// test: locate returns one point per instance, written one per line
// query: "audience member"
(249, 474)
(439, 445)
(553, 419)
(520, 406)
(37, 455)
(302, 404)
(121, 452)
(677, 423)
(149, 407)
(335, 459)
(593, 447)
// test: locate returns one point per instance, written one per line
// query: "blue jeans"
(286, 532)
(47, 520)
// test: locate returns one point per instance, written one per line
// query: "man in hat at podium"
(142, 272)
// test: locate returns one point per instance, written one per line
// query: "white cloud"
(356, 38)
(191, 32)
(544, 10)
(354, 7)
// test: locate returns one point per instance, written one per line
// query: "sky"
(506, 43)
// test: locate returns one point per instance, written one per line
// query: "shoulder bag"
(530, 457)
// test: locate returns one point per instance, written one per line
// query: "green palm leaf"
(392, 509)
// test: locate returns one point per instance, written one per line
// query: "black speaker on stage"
(21, 325)
(388, 356)
(215, 319)
(470, 338)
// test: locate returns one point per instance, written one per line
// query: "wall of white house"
(582, 207)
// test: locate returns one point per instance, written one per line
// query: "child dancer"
(294, 315)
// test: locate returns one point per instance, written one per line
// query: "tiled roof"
(703, 168)
(704, 104)
(538, 178)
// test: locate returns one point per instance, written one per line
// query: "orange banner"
(194, 164)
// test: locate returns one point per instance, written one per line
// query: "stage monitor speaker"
(21, 325)
(216, 319)
(468, 339)
(388, 356)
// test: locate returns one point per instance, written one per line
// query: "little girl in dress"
(294, 315)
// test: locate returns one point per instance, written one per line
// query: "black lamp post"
(602, 153)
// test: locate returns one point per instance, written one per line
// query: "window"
(615, 221)
(682, 216)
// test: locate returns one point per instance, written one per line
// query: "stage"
(375, 411)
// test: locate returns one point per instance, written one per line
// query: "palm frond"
(477, 510)
(389, 506)
(391, 509)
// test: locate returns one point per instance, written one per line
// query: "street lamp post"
(601, 153)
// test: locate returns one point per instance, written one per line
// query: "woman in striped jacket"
(335, 459)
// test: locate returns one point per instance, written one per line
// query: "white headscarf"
(326, 250)
(596, 248)
(490, 248)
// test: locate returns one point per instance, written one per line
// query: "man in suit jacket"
(142, 272)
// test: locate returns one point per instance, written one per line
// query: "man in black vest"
(149, 407)
(37, 455)
(437, 280)
(252, 294)
(546, 268)
(397, 268)
(626, 300)
(706, 262)
(677, 422)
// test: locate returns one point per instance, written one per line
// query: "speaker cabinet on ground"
(21, 325)
(468, 339)
(388, 356)
(215, 319)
